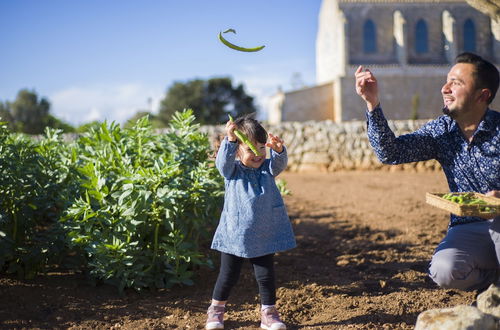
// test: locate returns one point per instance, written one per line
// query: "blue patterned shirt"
(473, 166)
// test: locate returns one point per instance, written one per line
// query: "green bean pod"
(243, 138)
(233, 46)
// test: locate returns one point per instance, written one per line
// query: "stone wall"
(314, 103)
(327, 146)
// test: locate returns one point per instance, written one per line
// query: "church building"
(409, 46)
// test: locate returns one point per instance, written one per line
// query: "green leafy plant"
(147, 204)
(33, 188)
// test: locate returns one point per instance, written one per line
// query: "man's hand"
(275, 143)
(367, 87)
(493, 193)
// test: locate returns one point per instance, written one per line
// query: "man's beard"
(448, 112)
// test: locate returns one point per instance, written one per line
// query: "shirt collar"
(486, 124)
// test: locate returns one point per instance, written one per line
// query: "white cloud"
(119, 102)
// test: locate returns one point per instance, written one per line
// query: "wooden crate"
(477, 210)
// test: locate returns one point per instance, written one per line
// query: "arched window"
(469, 36)
(421, 37)
(369, 37)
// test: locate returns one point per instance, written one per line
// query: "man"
(466, 142)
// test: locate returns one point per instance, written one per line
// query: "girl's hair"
(251, 128)
(246, 124)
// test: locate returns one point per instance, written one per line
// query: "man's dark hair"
(485, 73)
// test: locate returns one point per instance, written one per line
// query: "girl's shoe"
(270, 319)
(215, 319)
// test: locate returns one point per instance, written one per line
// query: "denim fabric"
(473, 166)
(254, 221)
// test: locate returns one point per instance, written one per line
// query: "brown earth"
(364, 241)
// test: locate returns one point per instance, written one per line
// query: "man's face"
(460, 95)
(248, 158)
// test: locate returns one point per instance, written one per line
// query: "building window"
(421, 37)
(469, 36)
(369, 37)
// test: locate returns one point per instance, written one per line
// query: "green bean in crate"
(463, 198)
(466, 203)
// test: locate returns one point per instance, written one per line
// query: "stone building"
(409, 45)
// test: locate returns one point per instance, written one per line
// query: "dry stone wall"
(327, 146)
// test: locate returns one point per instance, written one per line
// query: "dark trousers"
(229, 273)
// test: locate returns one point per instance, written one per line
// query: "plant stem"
(14, 230)
(155, 249)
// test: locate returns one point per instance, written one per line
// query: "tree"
(55, 122)
(30, 114)
(211, 100)
(5, 115)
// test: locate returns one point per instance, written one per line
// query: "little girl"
(254, 223)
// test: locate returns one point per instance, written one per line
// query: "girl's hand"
(230, 127)
(275, 143)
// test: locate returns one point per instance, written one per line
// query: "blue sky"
(106, 59)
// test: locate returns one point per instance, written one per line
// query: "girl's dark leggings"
(229, 274)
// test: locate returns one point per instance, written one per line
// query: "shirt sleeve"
(416, 146)
(278, 161)
(226, 158)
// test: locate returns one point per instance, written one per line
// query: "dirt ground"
(364, 242)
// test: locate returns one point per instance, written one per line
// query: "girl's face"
(248, 158)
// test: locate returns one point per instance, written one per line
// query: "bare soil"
(364, 242)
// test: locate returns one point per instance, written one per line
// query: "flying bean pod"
(233, 46)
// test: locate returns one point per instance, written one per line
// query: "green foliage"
(54, 122)
(131, 207)
(149, 202)
(211, 100)
(153, 119)
(33, 187)
(29, 112)
(5, 115)
(88, 126)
